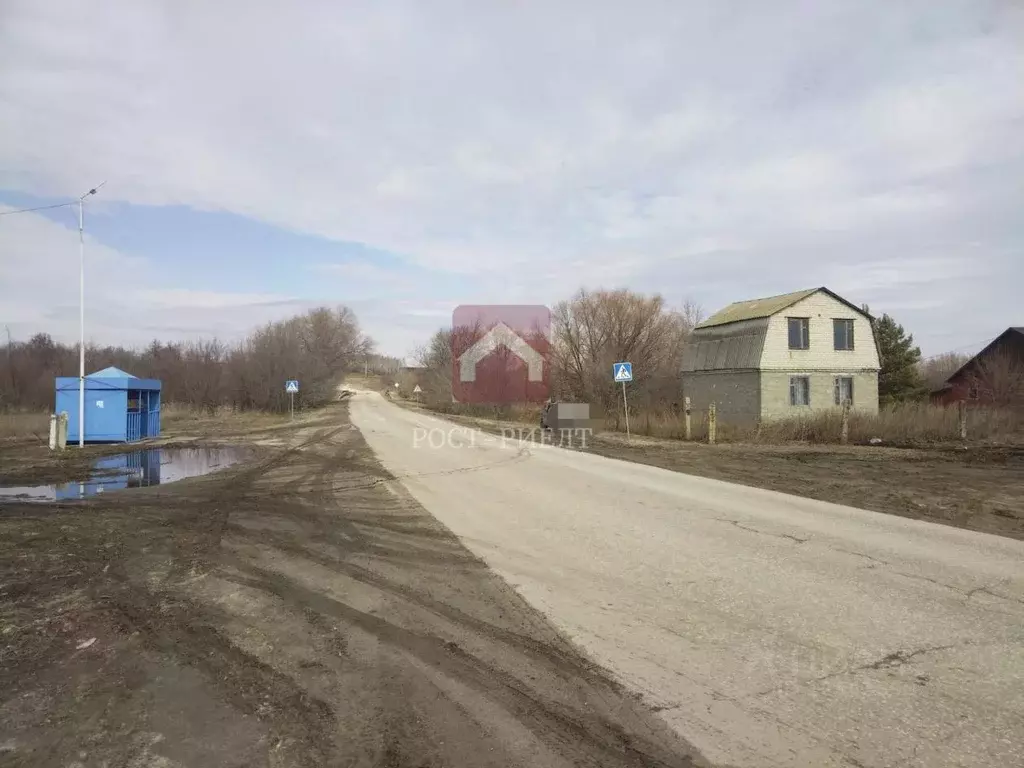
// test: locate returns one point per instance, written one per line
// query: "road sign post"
(623, 372)
(292, 387)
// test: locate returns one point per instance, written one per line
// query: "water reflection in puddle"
(137, 469)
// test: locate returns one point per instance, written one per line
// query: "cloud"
(362, 272)
(39, 291)
(184, 297)
(716, 150)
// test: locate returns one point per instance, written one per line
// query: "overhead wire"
(38, 208)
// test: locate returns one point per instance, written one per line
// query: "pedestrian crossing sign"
(622, 371)
(291, 386)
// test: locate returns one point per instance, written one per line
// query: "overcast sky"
(405, 157)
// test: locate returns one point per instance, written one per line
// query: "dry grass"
(183, 418)
(909, 424)
(25, 424)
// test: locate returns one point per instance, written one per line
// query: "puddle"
(135, 469)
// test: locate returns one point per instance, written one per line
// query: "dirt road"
(302, 610)
(769, 630)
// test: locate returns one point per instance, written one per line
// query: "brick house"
(993, 376)
(782, 356)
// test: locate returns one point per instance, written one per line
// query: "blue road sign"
(291, 386)
(622, 372)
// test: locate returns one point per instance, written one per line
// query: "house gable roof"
(756, 309)
(1012, 330)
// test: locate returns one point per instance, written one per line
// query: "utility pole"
(81, 314)
(81, 299)
(81, 324)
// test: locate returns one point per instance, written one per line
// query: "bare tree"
(202, 367)
(998, 378)
(439, 357)
(317, 348)
(935, 370)
(592, 331)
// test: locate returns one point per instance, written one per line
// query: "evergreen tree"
(899, 379)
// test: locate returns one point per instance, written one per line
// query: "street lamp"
(81, 298)
(81, 314)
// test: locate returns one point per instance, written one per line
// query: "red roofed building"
(994, 376)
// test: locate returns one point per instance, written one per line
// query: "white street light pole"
(81, 315)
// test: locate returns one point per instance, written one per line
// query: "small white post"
(625, 407)
(53, 431)
(292, 396)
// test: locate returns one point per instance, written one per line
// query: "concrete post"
(53, 431)
(844, 435)
(712, 423)
(62, 430)
(686, 417)
(962, 418)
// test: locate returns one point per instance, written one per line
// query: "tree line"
(316, 347)
(589, 332)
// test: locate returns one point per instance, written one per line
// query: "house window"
(844, 390)
(842, 331)
(799, 332)
(799, 390)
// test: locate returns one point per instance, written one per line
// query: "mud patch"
(302, 610)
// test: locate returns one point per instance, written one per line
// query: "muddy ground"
(979, 487)
(29, 461)
(300, 610)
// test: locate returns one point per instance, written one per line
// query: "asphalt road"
(767, 629)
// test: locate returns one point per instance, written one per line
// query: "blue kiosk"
(119, 407)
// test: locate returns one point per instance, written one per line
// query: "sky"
(403, 158)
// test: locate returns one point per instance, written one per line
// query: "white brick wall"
(775, 392)
(822, 355)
